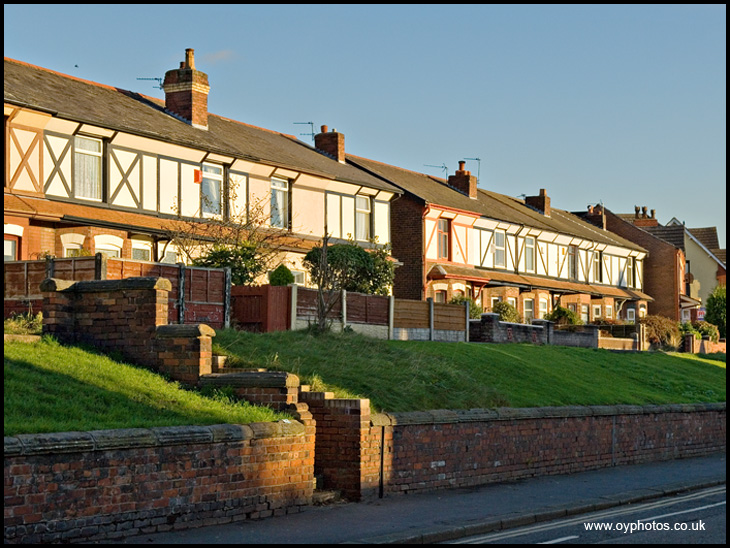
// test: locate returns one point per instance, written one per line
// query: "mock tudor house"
(91, 168)
(454, 238)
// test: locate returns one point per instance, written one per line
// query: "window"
(440, 296)
(442, 238)
(630, 272)
(609, 311)
(530, 254)
(109, 245)
(210, 190)
(543, 308)
(573, 262)
(598, 266)
(10, 245)
(630, 314)
(279, 203)
(584, 313)
(141, 250)
(496, 300)
(529, 305)
(512, 301)
(299, 277)
(499, 249)
(87, 168)
(596, 311)
(363, 218)
(73, 250)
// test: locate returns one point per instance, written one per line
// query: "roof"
(88, 102)
(492, 205)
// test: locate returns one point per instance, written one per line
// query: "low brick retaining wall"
(445, 449)
(109, 484)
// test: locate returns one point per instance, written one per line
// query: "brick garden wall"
(106, 485)
(444, 449)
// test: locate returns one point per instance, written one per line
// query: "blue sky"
(623, 105)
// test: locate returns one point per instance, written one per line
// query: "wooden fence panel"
(307, 304)
(451, 317)
(411, 314)
(370, 309)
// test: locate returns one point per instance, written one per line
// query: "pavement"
(450, 514)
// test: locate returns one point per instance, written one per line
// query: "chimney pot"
(461, 165)
(190, 58)
(324, 129)
(636, 212)
(653, 213)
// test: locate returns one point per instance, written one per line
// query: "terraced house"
(91, 168)
(454, 238)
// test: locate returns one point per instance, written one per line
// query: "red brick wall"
(442, 449)
(407, 220)
(106, 485)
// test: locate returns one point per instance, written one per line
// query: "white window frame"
(500, 249)
(609, 311)
(543, 309)
(596, 311)
(528, 305)
(108, 245)
(280, 203)
(363, 218)
(98, 183)
(142, 245)
(530, 247)
(212, 174)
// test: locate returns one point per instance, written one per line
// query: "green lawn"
(52, 388)
(411, 376)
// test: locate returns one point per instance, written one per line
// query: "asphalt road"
(693, 518)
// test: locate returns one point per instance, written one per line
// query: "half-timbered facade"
(456, 239)
(90, 168)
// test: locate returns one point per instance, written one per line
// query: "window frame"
(207, 178)
(88, 153)
(15, 241)
(283, 190)
(528, 315)
(530, 253)
(366, 215)
(500, 249)
(443, 239)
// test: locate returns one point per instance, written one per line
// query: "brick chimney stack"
(331, 143)
(186, 92)
(644, 219)
(596, 216)
(540, 203)
(464, 181)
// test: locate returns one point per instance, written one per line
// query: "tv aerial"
(479, 166)
(311, 126)
(442, 167)
(158, 80)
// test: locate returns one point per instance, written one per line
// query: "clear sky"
(623, 105)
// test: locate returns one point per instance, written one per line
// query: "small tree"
(475, 311)
(281, 275)
(507, 312)
(716, 309)
(564, 316)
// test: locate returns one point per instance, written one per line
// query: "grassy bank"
(409, 376)
(52, 388)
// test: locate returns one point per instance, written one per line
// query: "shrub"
(475, 311)
(564, 316)
(662, 332)
(706, 329)
(281, 275)
(507, 312)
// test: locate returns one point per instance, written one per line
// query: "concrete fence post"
(430, 319)
(343, 298)
(293, 309)
(391, 317)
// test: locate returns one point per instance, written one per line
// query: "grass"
(53, 388)
(410, 376)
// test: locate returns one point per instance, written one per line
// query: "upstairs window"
(530, 254)
(573, 262)
(280, 209)
(499, 249)
(210, 190)
(598, 266)
(442, 238)
(630, 272)
(87, 168)
(363, 218)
